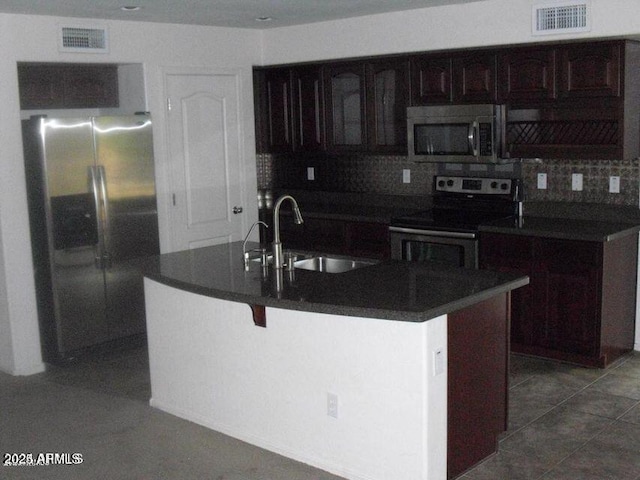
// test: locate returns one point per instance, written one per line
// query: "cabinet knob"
(236, 210)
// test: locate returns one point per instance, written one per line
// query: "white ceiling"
(225, 13)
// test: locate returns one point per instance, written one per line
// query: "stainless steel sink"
(321, 263)
(328, 264)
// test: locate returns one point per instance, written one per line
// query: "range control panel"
(485, 186)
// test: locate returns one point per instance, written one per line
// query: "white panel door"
(205, 158)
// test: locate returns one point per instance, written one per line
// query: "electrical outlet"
(332, 405)
(406, 175)
(576, 182)
(614, 184)
(311, 173)
(542, 181)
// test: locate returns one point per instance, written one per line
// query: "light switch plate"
(311, 173)
(542, 181)
(576, 182)
(406, 175)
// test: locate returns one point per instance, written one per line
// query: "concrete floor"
(566, 423)
(99, 407)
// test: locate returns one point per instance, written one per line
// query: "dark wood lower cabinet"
(580, 304)
(478, 369)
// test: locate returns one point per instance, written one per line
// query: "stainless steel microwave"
(456, 133)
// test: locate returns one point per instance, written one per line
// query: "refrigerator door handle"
(95, 190)
(104, 200)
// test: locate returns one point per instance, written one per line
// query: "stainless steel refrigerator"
(94, 225)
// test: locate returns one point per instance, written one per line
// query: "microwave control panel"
(485, 139)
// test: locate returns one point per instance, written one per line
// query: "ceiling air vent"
(82, 39)
(561, 17)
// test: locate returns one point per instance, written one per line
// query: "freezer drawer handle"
(237, 210)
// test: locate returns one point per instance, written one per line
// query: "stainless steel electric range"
(448, 232)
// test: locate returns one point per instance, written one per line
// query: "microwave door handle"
(473, 129)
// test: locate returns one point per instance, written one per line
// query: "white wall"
(34, 38)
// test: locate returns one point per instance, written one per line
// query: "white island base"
(358, 397)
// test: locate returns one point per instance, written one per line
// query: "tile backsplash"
(595, 174)
(386, 175)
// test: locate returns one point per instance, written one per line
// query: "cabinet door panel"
(278, 114)
(474, 79)
(571, 294)
(513, 254)
(527, 74)
(431, 80)
(309, 109)
(346, 107)
(41, 86)
(91, 86)
(591, 70)
(387, 101)
(572, 315)
(523, 330)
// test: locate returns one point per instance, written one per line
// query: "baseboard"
(24, 371)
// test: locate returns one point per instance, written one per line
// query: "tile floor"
(569, 423)
(566, 423)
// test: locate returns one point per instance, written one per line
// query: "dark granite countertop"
(563, 228)
(393, 290)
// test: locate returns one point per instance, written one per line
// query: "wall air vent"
(561, 17)
(82, 39)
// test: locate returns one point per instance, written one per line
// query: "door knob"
(237, 210)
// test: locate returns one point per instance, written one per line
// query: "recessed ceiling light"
(130, 8)
(264, 19)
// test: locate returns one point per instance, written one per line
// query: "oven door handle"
(433, 233)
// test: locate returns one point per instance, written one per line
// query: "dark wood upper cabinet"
(458, 78)
(41, 86)
(588, 116)
(431, 80)
(567, 100)
(92, 86)
(366, 106)
(308, 109)
(590, 70)
(474, 78)
(345, 101)
(387, 97)
(277, 132)
(60, 86)
(527, 74)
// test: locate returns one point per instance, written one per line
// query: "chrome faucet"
(278, 261)
(246, 255)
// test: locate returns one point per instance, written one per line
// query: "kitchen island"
(394, 370)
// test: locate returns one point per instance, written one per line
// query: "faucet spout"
(278, 261)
